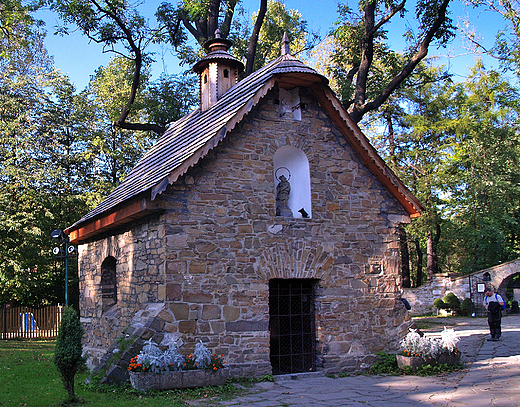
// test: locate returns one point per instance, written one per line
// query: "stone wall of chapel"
(210, 256)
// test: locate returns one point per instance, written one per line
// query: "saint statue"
(283, 190)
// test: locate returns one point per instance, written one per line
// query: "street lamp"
(64, 252)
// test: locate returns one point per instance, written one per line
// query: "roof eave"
(128, 211)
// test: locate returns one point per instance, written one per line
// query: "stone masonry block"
(200, 298)
(231, 313)
(180, 310)
(166, 315)
(197, 267)
(211, 312)
(173, 292)
(187, 327)
(175, 266)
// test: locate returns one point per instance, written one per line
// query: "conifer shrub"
(68, 356)
(452, 302)
(465, 307)
(439, 303)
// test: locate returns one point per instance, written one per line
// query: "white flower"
(449, 339)
(202, 355)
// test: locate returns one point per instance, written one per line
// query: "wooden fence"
(30, 323)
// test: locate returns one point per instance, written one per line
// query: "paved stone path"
(492, 379)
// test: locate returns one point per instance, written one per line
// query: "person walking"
(494, 303)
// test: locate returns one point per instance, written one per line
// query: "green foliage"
(433, 370)
(68, 356)
(507, 42)
(28, 365)
(439, 303)
(386, 364)
(278, 20)
(170, 98)
(39, 170)
(365, 69)
(466, 306)
(481, 176)
(452, 302)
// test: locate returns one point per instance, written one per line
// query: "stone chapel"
(263, 223)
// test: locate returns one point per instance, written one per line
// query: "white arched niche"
(294, 165)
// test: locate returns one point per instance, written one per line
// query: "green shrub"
(465, 307)
(452, 302)
(68, 356)
(386, 364)
(439, 303)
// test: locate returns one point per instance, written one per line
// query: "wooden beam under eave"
(125, 213)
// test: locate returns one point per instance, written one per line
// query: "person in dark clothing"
(493, 303)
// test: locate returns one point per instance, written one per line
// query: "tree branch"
(193, 31)
(388, 17)
(367, 55)
(141, 126)
(226, 24)
(360, 108)
(253, 41)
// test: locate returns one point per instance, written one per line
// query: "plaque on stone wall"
(481, 288)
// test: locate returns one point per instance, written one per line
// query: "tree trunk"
(405, 257)
(431, 251)
(391, 141)
(253, 41)
(429, 254)
(419, 262)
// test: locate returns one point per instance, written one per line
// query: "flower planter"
(414, 362)
(449, 358)
(144, 381)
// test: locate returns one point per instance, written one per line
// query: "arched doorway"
(108, 283)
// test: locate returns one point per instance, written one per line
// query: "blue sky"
(74, 56)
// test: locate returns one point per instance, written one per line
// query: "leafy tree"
(507, 45)
(452, 302)
(482, 178)
(68, 356)
(366, 69)
(29, 167)
(439, 303)
(170, 98)
(466, 306)
(112, 152)
(18, 28)
(118, 24)
(278, 20)
(115, 24)
(201, 19)
(415, 141)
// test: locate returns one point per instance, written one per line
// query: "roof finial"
(217, 33)
(286, 46)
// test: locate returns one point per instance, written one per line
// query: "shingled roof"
(190, 138)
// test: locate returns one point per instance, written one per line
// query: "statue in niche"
(283, 190)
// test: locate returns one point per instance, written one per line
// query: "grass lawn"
(29, 378)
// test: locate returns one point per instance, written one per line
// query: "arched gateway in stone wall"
(472, 286)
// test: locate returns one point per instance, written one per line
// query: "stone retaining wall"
(421, 298)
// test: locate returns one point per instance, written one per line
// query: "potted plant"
(419, 350)
(156, 369)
